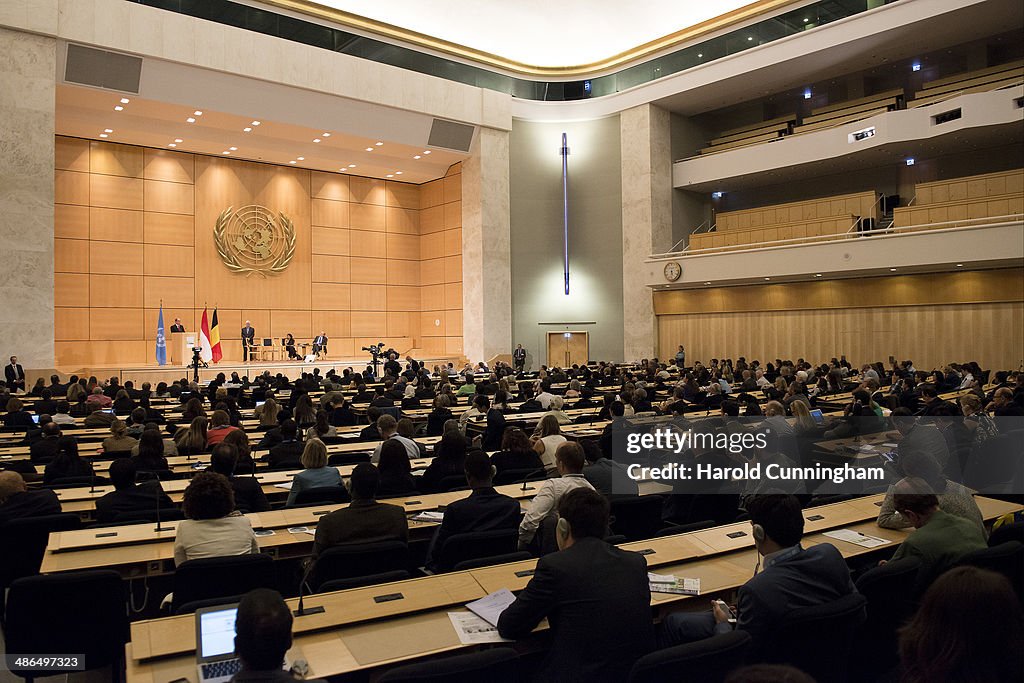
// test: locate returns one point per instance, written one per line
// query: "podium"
(181, 347)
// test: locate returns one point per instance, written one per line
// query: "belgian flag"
(215, 339)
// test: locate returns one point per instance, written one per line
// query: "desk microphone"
(542, 470)
(302, 610)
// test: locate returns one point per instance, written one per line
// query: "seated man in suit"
(941, 538)
(569, 461)
(17, 502)
(484, 510)
(793, 577)
(263, 634)
(596, 598)
(364, 520)
(249, 496)
(45, 449)
(320, 344)
(127, 496)
(288, 452)
(606, 475)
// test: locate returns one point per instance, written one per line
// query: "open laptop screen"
(216, 632)
(818, 417)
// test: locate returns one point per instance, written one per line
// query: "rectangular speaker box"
(451, 135)
(102, 69)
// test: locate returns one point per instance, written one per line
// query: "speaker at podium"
(181, 347)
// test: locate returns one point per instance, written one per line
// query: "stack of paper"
(490, 607)
(857, 538)
(666, 583)
(472, 629)
(429, 516)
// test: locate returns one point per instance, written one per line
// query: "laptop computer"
(817, 415)
(35, 418)
(215, 643)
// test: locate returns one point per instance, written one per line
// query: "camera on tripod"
(375, 349)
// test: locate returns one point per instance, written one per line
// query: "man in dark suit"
(249, 496)
(128, 497)
(484, 510)
(45, 449)
(320, 344)
(248, 341)
(364, 520)
(177, 326)
(16, 502)
(519, 357)
(56, 388)
(289, 450)
(263, 633)
(15, 375)
(793, 577)
(596, 598)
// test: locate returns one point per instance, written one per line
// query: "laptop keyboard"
(222, 669)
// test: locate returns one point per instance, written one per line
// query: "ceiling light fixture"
(378, 143)
(325, 135)
(118, 108)
(398, 173)
(351, 165)
(316, 139)
(892, 270)
(247, 129)
(390, 175)
(197, 112)
(708, 282)
(767, 278)
(125, 100)
(103, 135)
(426, 151)
(416, 156)
(369, 149)
(301, 158)
(171, 144)
(225, 152)
(292, 161)
(190, 120)
(108, 130)
(233, 149)
(178, 140)
(817, 275)
(255, 123)
(700, 55)
(959, 265)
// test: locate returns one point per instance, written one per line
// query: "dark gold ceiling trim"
(314, 9)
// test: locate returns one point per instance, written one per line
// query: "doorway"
(567, 348)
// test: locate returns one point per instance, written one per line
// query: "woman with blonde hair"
(546, 440)
(191, 440)
(317, 473)
(118, 441)
(805, 423)
(267, 413)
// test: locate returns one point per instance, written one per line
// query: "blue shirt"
(311, 479)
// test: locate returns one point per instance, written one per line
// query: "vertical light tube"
(565, 209)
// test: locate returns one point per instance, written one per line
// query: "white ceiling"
(541, 32)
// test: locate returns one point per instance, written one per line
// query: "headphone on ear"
(563, 528)
(758, 532)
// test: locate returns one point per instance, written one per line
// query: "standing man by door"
(681, 357)
(15, 375)
(248, 341)
(519, 357)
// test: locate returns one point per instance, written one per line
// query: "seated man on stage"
(320, 344)
(248, 341)
(289, 345)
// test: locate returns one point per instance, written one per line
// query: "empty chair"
(497, 665)
(81, 613)
(817, 639)
(29, 537)
(686, 528)
(474, 545)
(890, 594)
(336, 459)
(518, 476)
(144, 516)
(353, 560)
(360, 581)
(705, 661)
(994, 464)
(322, 494)
(454, 482)
(636, 517)
(220, 577)
(1005, 558)
(517, 556)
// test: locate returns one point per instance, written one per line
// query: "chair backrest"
(707, 661)
(71, 482)
(890, 591)
(474, 545)
(144, 516)
(360, 581)
(71, 612)
(497, 665)
(453, 482)
(636, 517)
(1007, 532)
(191, 607)
(335, 459)
(517, 556)
(27, 538)
(816, 639)
(322, 494)
(219, 577)
(352, 560)
(994, 464)
(686, 528)
(518, 476)
(1005, 558)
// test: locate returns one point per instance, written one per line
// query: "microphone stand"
(530, 476)
(303, 610)
(158, 496)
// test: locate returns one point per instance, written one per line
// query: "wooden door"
(566, 348)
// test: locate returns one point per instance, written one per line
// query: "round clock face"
(672, 271)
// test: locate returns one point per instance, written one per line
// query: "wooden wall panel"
(133, 230)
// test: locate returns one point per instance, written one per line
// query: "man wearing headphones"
(793, 577)
(596, 598)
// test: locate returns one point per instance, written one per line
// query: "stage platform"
(291, 369)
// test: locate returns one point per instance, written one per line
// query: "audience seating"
(473, 546)
(982, 80)
(93, 619)
(353, 560)
(360, 581)
(497, 665)
(636, 517)
(889, 591)
(322, 494)
(517, 556)
(518, 476)
(221, 577)
(29, 536)
(850, 111)
(1007, 532)
(968, 198)
(674, 529)
(817, 639)
(752, 134)
(705, 661)
(1005, 558)
(992, 466)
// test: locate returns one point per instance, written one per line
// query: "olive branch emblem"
(227, 252)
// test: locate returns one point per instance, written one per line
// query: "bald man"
(16, 502)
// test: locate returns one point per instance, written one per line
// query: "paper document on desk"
(865, 449)
(429, 516)
(490, 607)
(286, 485)
(857, 538)
(472, 629)
(667, 583)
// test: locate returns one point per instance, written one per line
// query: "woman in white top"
(546, 440)
(212, 528)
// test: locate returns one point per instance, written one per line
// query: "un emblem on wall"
(254, 240)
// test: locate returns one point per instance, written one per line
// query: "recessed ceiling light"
(108, 130)
(351, 165)
(707, 283)
(316, 139)
(959, 265)
(426, 151)
(197, 112)
(247, 129)
(417, 156)
(118, 108)
(699, 55)
(225, 152)
(342, 169)
(390, 175)
(171, 145)
(233, 149)
(806, 20)
(292, 161)
(325, 135)
(398, 173)
(103, 135)
(817, 275)
(178, 140)
(301, 158)
(369, 149)
(892, 270)
(255, 123)
(767, 278)
(750, 37)
(125, 100)
(378, 143)
(190, 120)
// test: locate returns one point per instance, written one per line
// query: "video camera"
(374, 349)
